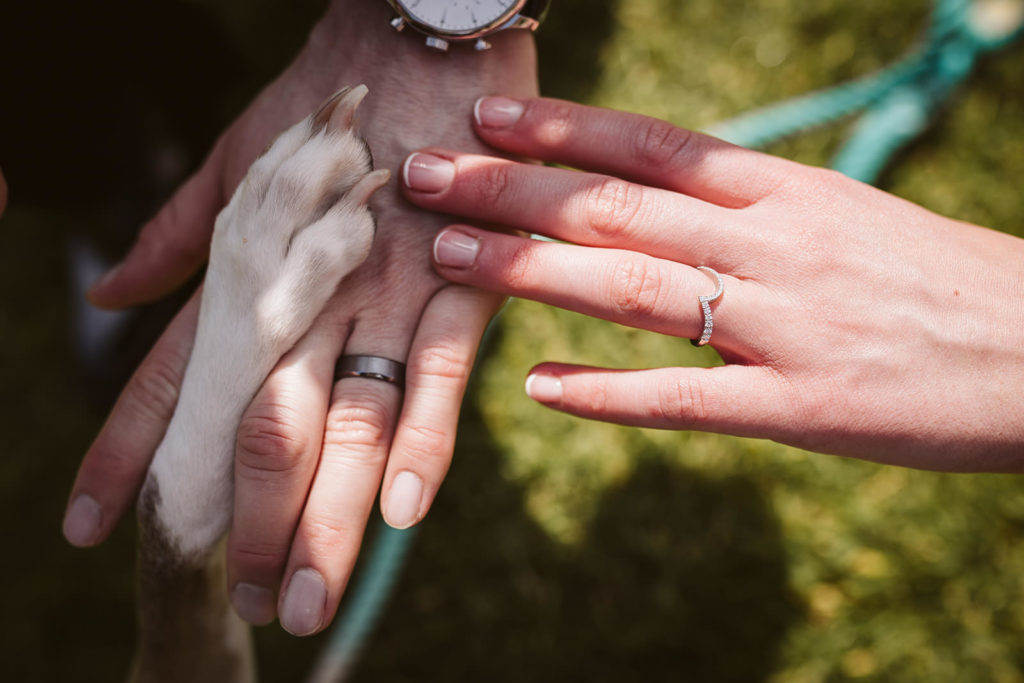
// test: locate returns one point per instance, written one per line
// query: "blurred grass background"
(558, 549)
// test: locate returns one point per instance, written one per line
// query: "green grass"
(561, 549)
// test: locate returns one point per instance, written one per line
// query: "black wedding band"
(371, 367)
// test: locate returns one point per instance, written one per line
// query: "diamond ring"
(705, 305)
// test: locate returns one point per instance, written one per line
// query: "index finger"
(640, 148)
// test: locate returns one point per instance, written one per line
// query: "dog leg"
(297, 224)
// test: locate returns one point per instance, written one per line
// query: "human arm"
(303, 491)
(852, 322)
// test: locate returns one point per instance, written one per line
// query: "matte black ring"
(371, 367)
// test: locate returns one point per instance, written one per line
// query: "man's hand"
(304, 491)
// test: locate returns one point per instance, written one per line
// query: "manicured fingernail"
(403, 508)
(107, 278)
(82, 522)
(427, 173)
(303, 608)
(255, 604)
(544, 388)
(456, 249)
(497, 112)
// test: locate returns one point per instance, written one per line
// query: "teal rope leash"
(898, 101)
(368, 598)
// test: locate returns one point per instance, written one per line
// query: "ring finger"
(622, 286)
(359, 428)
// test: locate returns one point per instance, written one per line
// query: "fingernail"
(456, 249)
(544, 388)
(427, 173)
(303, 607)
(82, 522)
(254, 604)
(497, 112)
(403, 506)
(107, 278)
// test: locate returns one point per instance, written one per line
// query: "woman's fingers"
(618, 285)
(643, 149)
(115, 466)
(583, 208)
(440, 362)
(732, 399)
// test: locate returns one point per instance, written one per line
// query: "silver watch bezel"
(510, 19)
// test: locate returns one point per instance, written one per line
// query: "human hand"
(303, 493)
(852, 322)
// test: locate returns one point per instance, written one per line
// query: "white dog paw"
(296, 225)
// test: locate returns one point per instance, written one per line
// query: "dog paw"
(296, 225)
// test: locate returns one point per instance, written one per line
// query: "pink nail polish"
(456, 249)
(497, 112)
(544, 388)
(427, 173)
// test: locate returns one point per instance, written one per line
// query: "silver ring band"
(371, 367)
(705, 306)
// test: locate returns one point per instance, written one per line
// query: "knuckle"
(518, 268)
(660, 145)
(255, 556)
(155, 388)
(595, 400)
(493, 185)
(327, 536)
(427, 444)
(441, 361)
(271, 442)
(611, 206)
(682, 400)
(636, 287)
(363, 424)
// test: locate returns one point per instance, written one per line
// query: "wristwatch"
(447, 21)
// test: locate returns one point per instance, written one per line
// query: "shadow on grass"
(680, 576)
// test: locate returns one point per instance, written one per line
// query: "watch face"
(460, 16)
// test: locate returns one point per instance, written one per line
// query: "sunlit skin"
(852, 322)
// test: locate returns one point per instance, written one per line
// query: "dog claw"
(345, 111)
(371, 182)
(323, 114)
(340, 109)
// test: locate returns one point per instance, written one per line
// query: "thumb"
(171, 246)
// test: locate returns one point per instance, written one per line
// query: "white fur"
(297, 224)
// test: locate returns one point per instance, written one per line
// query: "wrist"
(357, 33)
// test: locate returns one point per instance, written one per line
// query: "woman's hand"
(304, 491)
(852, 322)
